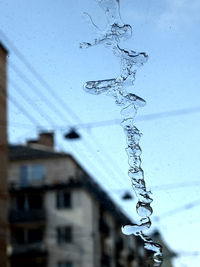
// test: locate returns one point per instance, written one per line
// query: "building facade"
(3, 157)
(60, 217)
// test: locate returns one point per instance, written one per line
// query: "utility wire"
(31, 118)
(31, 85)
(109, 163)
(21, 108)
(110, 160)
(188, 253)
(39, 77)
(38, 92)
(35, 89)
(187, 206)
(175, 185)
(161, 187)
(72, 113)
(89, 125)
(30, 102)
(104, 166)
(105, 123)
(153, 116)
(150, 116)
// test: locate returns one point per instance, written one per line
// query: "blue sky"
(48, 33)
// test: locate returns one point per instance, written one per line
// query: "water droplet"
(144, 209)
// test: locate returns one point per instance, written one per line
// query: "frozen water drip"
(115, 32)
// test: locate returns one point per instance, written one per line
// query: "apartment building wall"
(57, 170)
(96, 230)
(80, 216)
(3, 157)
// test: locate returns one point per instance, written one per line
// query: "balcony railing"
(104, 228)
(119, 244)
(18, 216)
(30, 249)
(105, 260)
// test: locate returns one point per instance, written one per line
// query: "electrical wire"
(106, 123)
(147, 117)
(39, 77)
(38, 92)
(109, 181)
(175, 185)
(28, 82)
(88, 125)
(31, 85)
(33, 104)
(187, 206)
(21, 108)
(108, 164)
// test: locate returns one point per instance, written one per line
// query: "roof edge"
(4, 48)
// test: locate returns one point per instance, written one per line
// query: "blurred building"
(3, 156)
(59, 217)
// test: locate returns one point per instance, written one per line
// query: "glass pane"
(20, 202)
(23, 175)
(35, 235)
(65, 264)
(35, 201)
(37, 172)
(64, 234)
(63, 200)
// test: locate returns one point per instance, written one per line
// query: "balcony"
(30, 249)
(104, 228)
(119, 244)
(35, 215)
(30, 254)
(105, 260)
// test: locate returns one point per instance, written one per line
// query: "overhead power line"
(20, 107)
(35, 89)
(53, 107)
(66, 108)
(105, 123)
(107, 166)
(31, 103)
(172, 113)
(152, 116)
(175, 185)
(39, 77)
(114, 171)
(188, 253)
(187, 206)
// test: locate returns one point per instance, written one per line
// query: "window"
(20, 236)
(65, 264)
(31, 173)
(35, 201)
(29, 202)
(35, 235)
(64, 235)
(28, 236)
(21, 202)
(63, 200)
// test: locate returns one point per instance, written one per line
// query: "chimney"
(3, 158)
(45, 139)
